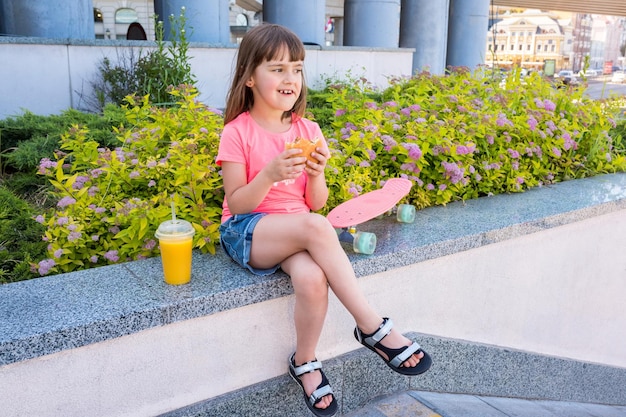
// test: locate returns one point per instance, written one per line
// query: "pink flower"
(453, 172)
(66, 201)
(45, 165)
(45, 266)
(415, 152)
(111, 256)
(513, 153)
(74, 236)
(549, 105)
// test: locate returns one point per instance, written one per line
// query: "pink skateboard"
(368, 206)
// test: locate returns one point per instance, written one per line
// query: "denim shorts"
(236, 239)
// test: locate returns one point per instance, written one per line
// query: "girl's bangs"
(279, 46)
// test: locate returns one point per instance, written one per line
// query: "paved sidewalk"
(431, 404)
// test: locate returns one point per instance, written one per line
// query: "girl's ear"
(249, 83)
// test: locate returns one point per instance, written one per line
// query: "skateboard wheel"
(364, 242)
(406, 213)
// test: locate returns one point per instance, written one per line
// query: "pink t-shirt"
(245, 142)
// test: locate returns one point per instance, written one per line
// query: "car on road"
(589, 73)
(619, 76)
(564, 78)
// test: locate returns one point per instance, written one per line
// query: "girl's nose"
(291, 77)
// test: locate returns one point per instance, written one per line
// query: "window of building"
(538, 48)
(512, 47)
(125, 15)
(242, 20)
(520, 47)
(553, 48)
(97, 15)
(545, 48)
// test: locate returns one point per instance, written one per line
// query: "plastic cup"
(175, 242)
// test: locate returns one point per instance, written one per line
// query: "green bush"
(456, 137)
(26, 139)
(110, 201)
(151, 74)
(20, 238)
(619, 133)
(461, 136)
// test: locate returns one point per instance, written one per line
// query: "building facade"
(526, 39)
(112, 19)
(532, 38)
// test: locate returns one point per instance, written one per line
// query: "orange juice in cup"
(175, 242)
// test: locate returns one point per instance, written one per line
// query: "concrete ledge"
(539, 273)
(66, 311)
(459, 367)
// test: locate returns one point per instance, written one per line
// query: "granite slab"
(50, 314)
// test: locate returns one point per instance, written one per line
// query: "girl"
(269, 195)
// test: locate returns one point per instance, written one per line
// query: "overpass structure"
(604, 7)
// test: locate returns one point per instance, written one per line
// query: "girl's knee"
(310, 282)
(319, 226)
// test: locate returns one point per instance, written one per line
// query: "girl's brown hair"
(262, 43)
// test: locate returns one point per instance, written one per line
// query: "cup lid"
(174, 228)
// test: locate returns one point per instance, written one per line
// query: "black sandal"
(323, 389)
(396, 356)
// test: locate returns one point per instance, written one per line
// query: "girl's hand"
(322, 155)
(286, 166)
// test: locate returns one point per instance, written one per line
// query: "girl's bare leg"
(277, 237)
(311, 291)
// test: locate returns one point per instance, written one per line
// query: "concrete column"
(305, 18)
(372, 23)
(424, 27)
(206, 21)
(61, 19)
(467, 32)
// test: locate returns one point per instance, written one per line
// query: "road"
(602, 87)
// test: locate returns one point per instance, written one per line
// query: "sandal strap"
(320, 393)
(307, 367)
(405, 354)
(374, 339)
(379, 335)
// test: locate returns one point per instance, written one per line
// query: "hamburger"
(307, 145)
